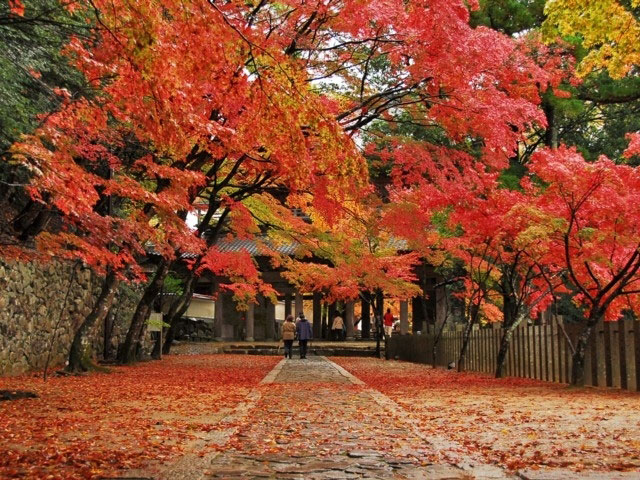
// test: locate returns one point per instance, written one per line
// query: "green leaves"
(32, 65)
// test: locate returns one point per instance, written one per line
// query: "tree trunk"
(55, 328)
(157, 348)
(467, 336)
(551, 133)
(31, 220)
(109, 322)
(511, 320)
(128, 352)
(436, 341)
(377, 309)
(425, 313)
(325, 321)
(577, 367)
(438, 336)
(505, 344)
(177, 310)
(366, 315)
(77, 355)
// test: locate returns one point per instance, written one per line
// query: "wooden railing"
(537, 351)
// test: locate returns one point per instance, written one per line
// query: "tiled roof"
(253, 246)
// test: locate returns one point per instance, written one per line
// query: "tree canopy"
(405, 131)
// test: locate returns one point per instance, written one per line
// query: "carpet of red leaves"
(513, 422)
(91, 426)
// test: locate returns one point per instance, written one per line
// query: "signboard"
(155, 322)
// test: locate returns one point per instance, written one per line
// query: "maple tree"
(441, 177)
(353, 258)
(248, 30)
(361, 256)
(201, 134)
(582, 233)
(78, 171)
(584, 213)
(244, 108)
(479, 226)
(388, 76)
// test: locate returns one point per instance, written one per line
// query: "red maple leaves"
(94, 426)
(16, 7)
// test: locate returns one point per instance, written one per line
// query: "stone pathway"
(311, 419)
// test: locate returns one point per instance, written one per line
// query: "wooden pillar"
(366, 315)
(349, 321)
(287, 305)
(404, 317)
(317, 315)
(219, 313)
(417, 310)
(325, 321)
(249, 322)
(333, 309)
(271, 320)
(299, 304)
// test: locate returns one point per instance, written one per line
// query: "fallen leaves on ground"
(94, 425)
(312, 410)
(513, 422)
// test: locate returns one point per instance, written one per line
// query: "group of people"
(338, 325)
(300, 329)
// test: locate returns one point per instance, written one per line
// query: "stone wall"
(35, 319)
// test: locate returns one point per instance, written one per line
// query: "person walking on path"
(288, 335)
(304, 334)
(388, 322)
(337, 326)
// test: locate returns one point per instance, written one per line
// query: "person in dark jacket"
(305, 333)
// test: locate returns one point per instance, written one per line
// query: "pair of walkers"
(301, 329)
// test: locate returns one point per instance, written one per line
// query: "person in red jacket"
(388, 322)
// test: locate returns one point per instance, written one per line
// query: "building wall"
(201, 308)
(42, 305)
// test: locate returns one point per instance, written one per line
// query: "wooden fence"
(542, 352)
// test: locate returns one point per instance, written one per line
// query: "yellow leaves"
(540, 227)
(531, 234)
(606, 28)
